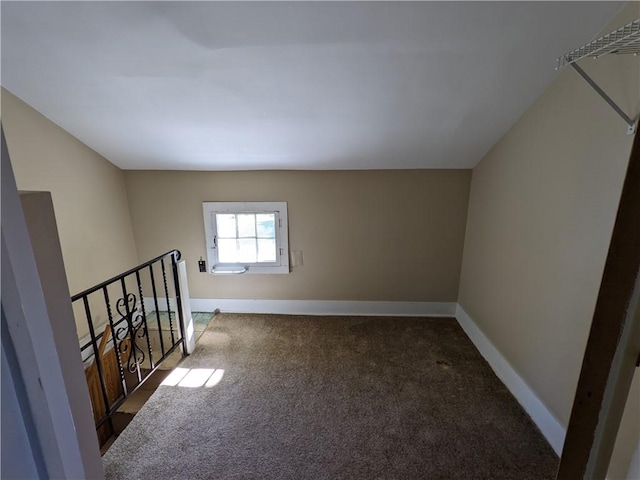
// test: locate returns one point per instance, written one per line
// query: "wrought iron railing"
(132, 330)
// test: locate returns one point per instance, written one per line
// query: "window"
(249, 237)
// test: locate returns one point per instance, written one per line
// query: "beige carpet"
(278, 397)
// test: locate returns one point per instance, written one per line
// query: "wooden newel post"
(613, 345)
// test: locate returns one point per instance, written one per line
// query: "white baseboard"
(324, 307)
(546, 421)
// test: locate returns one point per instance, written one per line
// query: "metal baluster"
(144, 317)
(155, 302)
(166, 293)
(98, 360)
(136, 324)
(116, 347)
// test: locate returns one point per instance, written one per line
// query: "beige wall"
(541, 211)
(365, 235)
(88, 193)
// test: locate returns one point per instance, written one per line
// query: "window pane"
(266, 225)
(246, 225)
(246, 250)
(266, 250)
(226, 225)
(227, 251)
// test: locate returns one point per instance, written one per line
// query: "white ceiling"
(301, 85)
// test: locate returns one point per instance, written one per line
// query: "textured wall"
(88, 192)
(365, 235)
(89, 199)
(541, 211)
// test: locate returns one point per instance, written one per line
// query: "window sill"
(248, 269)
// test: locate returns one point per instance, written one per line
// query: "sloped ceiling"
(300, 85)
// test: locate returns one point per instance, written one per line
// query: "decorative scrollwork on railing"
(128, 334)
(125, 344)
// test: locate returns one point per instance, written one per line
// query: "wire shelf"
(624, 40)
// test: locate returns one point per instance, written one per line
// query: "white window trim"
(282, 236)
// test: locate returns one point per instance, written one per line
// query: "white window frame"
(210, 209)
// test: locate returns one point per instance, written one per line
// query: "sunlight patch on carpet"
(194, 377)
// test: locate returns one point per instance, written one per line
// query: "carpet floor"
(297, 397)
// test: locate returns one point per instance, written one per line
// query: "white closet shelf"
(624, 40)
